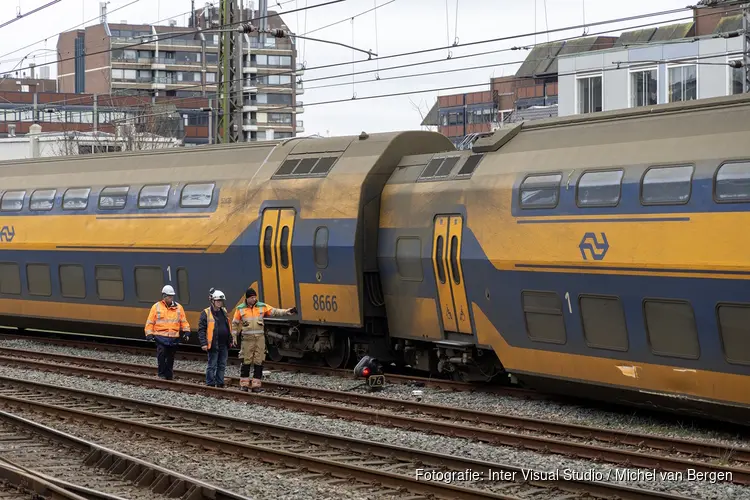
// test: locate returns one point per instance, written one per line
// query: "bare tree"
(151, 127)
(422, 114)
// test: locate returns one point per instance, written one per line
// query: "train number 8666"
(325, 303)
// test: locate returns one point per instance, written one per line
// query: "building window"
(72, 282)
(280, 118)
(109, 284)
(736, 76)
(590, 94)
(683, 83)
(733, 182)
(38, 279)
(409, 258)
(544, 317)
(671, 329)
(644, 88)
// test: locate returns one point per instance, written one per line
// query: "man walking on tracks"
(164, 324)
(253, 349)
(214, 335)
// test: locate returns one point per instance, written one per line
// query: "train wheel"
(273, 354)
(339, 356)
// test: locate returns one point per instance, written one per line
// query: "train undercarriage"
(342, 348)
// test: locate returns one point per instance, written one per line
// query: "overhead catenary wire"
(187, 87)
(171, 35)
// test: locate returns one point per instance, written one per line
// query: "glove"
(292, 311)
(186, 337)
(151, 338)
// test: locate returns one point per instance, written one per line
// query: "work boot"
(244, 389)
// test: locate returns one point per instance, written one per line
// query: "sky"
(396, 27)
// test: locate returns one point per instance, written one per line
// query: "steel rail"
(369, 449)
(471, 417)
(153, 477)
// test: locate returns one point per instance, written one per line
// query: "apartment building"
(177, 61)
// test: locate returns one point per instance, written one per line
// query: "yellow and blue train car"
(604, 252)
(87, 242)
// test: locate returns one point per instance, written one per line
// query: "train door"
(277, 271)
(446, 262)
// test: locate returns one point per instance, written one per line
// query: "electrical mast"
(229, 127)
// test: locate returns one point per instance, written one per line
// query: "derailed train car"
(600, 253)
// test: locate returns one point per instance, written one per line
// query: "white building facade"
(648, 74)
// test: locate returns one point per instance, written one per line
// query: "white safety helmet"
(218, 295)
(167, 290)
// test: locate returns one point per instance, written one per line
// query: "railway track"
(390, 467)
(618, 447)
(396, 378)
(38, 460)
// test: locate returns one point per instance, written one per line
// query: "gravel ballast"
(493, 403)
(438, 444)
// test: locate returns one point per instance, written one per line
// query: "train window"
(409, 258)
(439, 243)
(113, 198)
(305, 166)
(72, 281)
(76, 199)
(431, 169)
(599, 189)
(153, 196)
(544, 317)
(12, 201)
(472, 162)
(734, 327)
(671, 328)
(324, 165)
(666, 185)
(604, 323)
(284, 247)
(109, 284)
(733, 182)
(38, 279)
(42, 199)
(267, 240)
(149, 281)
(197, 195)
(454, 260)
(183, 290)
(320, 249)
(540, 191)
(287, 167)
(447, 166)
(10, 278)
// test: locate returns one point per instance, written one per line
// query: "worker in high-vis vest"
(248, 320)
(164, 324)
(214, 334)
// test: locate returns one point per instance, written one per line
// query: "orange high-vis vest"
(166, 321)
(210, 322)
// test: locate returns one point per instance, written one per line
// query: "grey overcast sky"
(403, 25)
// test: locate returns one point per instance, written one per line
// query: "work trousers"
(217, 365)
(165, 358)
(253, 348)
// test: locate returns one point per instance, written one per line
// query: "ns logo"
(7, 233)
(593, 246)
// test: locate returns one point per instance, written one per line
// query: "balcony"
(300, 88)
(299, 107)
(300, 126)
(300, 70)
(250, 125)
